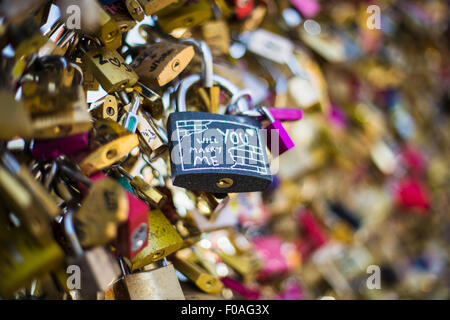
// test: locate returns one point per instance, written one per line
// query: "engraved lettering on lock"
(163, 57)
(110, 200)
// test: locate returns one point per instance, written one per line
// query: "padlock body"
(217, 153)
(49, 149)
(284, 141)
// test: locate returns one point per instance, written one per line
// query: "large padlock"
(213, 152)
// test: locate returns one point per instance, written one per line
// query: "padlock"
(132, 235)
(65, 122)
(49, 149)
(130, 119)
(110, 151)
(22, 259)
(162, 62)
(152, 102)
(106, 108)
(216, 32)
(98, 267)
(153, 6)
(163, 240)
(242, 8)
(160, 283)
(29, 200)
(109, 68)
(202, 279)
(120, 14)
(282, 140)
(26, 37)
(14, 119)
(135, 9)
(144, 190)
(231, 158)
(101, 212)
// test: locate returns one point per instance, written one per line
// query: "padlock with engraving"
(160, 283)
(213, 152)
(132, 235)
(27, 198)
(144, 190)
(98, 267)
(202, 279)
(161, 62)
(115, 143)
(163, 240)
(22, 259)
(102, 211)
(110, 69)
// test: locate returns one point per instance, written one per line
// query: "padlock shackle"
(191, 80)
(236, 98)
(207, 60)
(71, 234)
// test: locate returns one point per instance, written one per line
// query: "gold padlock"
(104, 208)
(163, 240)
(109, 68)
(202, 279)
(162, 62)
(153, 6)
(106, 108)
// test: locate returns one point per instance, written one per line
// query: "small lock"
(26, 37)
(120, 14)
(109, 68)
(153, 6)
(114, 145)
(202, 279)
(163, 240)
(132, 235)
(216, 153)
(98, 267)
(135, 9)
(106, 108)
(104, 208)
(162, 62)
(49, 149)
(157, 284)
(14, 119)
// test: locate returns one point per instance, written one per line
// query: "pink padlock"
(269, 248)
(278, 140)
(239, 288)
(132, 236)
(308, 8)
(49, 149)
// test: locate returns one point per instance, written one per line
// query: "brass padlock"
(153, 6)
(109, 152)
(26, 37)
(163, 240)
(119, 12)
(29, 200)
(162, 62)
(106, 108)
(104, 208)
(202, 279)
(109, 68)
(22, 259)
(158, 284)
(14, 120)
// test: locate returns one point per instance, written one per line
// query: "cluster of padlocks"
(148, 147)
